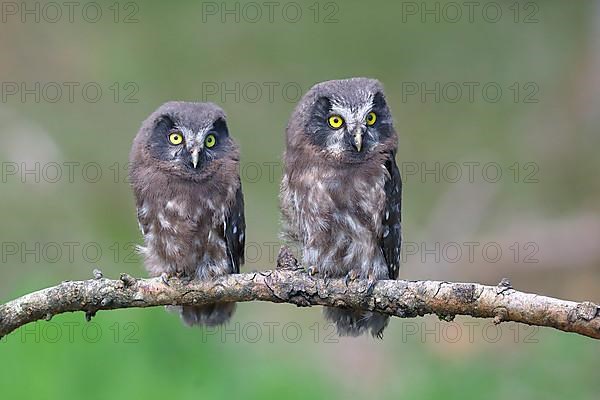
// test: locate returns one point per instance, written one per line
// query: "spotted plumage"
(184, 170)
(341, 190)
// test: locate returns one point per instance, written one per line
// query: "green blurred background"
(541, 134)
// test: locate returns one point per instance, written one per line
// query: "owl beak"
(358, 134)
(195, 156)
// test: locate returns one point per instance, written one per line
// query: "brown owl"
(341, 190)
(184, 170)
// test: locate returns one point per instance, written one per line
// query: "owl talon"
(371, 286)
(164, 277)
(351, 276)
(97, 274)
(312, 270)
(127, 280)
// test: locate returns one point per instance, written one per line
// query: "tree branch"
(290, 284)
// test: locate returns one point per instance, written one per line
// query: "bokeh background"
(511, 167)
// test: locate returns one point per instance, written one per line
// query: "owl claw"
(371, 282)
(97, 274)
(164, 277)
(351, 276)
(371, 286)
(312, 270)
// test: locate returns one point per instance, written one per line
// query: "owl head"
(189, 140)
(345, 120)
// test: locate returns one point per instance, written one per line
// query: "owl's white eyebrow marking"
(353, 115)
(183, 130)
(188, 134)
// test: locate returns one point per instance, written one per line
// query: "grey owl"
(341, 190)
(184, 170)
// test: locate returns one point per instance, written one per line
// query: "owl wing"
(391, 240)
(235, 231)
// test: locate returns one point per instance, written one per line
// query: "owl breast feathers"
(341, 190)
(190, 208)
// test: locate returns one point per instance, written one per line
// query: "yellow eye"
(371, 118)
(175, 138)
(335, 121)
(210, 141)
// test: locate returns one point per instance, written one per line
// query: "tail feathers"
(207, 315)
(355, 323)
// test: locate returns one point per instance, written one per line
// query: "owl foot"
(325, 279)
(286, 259)
(371, 282)
(164, 277)
(127, 280)
(312, 270)
(351, 276)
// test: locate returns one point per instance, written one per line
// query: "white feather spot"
(141, 228)
(143, 210)
(172, 248)
(142, 250)
(164, 222)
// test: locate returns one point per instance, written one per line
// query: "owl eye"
(210, 141)
(175, 138)
(371, 118)
(335, 121)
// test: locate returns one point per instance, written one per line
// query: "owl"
(184, 170)
(341, 190)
